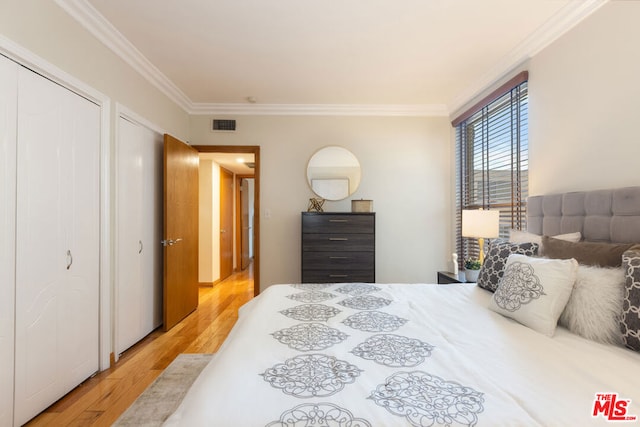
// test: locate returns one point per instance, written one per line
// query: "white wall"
(49, 32)
(584, 110)
(215, 221)
(209, 241)
(405, 170)
(205, 239)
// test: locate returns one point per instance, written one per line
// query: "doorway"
(244, 220)
(227, 235)
(255, 202)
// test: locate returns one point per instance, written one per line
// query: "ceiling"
(409, 57)
(234, 162)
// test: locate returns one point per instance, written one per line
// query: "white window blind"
(492, 160)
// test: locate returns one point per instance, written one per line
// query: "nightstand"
(445, 277)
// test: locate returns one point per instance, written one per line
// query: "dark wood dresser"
(338, 247)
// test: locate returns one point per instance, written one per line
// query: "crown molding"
(83, 12)
(570, 16)
(418, 110)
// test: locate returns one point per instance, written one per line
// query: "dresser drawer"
(324, 276)
(338, 261)
(336, 223)
(338, 242)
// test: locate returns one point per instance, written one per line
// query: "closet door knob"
(141, 246)
(69, 259)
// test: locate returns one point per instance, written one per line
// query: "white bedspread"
(444, 357)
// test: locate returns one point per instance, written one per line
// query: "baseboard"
(209, 284)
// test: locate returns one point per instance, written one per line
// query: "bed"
(356, 354)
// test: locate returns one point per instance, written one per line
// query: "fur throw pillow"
(595, 305)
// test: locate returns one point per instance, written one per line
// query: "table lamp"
(480, 224)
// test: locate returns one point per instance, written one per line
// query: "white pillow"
(519, 236)
(595, 305)
(534, 291)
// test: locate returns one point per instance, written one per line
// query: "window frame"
(503, 116)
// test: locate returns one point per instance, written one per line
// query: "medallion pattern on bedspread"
(311, 296)
(365, 302)
(519, 285)
(428, 400)
(318, 415)
(311, 375)
(310, 336)
(374, 321)
(311, 312)
(394, 350)
(357, 289)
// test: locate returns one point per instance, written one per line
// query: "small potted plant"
(472, 269)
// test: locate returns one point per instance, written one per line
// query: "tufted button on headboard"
(600, 215)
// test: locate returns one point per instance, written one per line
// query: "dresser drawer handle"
(338, 239)
(338, 275)
(338, 220)
(338, 257)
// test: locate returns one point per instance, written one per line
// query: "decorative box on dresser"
(338, 247)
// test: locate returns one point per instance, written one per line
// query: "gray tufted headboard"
(601, 215)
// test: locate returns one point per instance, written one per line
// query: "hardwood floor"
(100, 400)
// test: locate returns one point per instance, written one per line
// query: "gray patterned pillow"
(496, 260)
(630, 321)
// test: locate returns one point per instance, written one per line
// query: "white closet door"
(81, 315)
(57, 244)
(139, 253)
(152, 152)
(130, 245)
(8, 111)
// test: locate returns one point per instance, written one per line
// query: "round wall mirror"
(333, 173)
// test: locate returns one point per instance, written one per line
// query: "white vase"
(471, 275)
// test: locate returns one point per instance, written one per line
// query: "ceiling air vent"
(251, 165)
(224, 125)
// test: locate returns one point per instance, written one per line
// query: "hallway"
(100, 400)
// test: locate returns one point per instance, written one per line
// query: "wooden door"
(226, 223)
(57, 244)
(245, 224)
(180, 278)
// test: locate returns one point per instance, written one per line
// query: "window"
(492, 160)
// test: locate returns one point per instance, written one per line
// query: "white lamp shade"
(480, 223)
